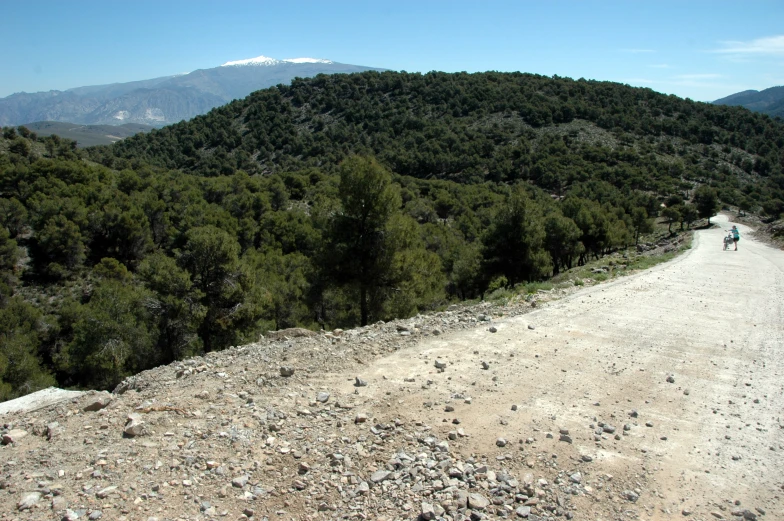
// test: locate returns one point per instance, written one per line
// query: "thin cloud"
(771, 45)
(705, 83)
(709, 76)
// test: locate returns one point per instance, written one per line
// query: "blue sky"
(698, 49)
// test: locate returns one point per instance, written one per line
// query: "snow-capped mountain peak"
(266, 60)
(307, 60)
(258, 60)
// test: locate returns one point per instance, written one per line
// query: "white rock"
(105, 492)
(134, 425)
(13, 436)
(28, 501)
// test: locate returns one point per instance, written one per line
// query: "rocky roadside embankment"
(243, 434)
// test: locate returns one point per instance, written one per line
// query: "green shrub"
(497, 283)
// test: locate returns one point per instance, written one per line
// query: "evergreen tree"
(359, 251)
(230, 295)
(562, 241)
(21, 371)
(113, 336)
(673, 215)
(514, 243)
(706, 201)
(641, 222)
(177, 307)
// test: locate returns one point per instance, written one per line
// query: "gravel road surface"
(687, 356)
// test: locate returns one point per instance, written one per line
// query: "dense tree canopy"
(554, 132)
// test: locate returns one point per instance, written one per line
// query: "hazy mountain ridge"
(159, 101)
(769, 101)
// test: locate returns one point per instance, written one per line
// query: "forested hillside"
(501, 127)
(340, 201)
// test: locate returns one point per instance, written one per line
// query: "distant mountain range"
(769, 101)
(161, 101)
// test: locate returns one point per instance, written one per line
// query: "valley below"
(653, 396)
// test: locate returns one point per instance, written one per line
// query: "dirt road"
(706, 443)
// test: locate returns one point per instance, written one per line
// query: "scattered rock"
(292, 332)
(58, 502)
(134, 425)
(105, 492)
(97, 401)
(13, 436)
(379, 476)
(286, 371)
(28, 501)
(428, 512)
(53, 429)
(240, 481)
(477, 501)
